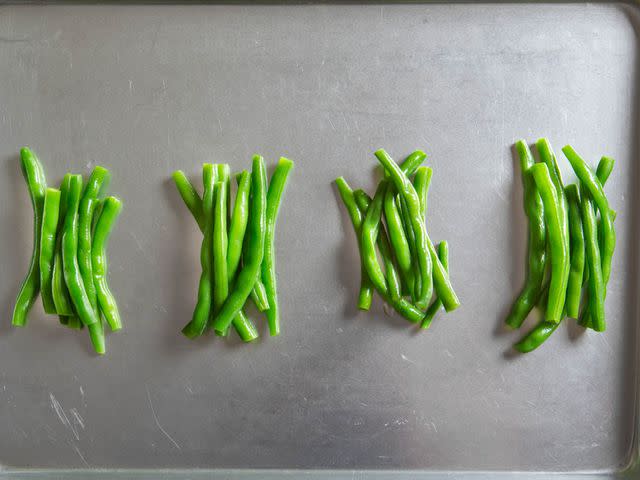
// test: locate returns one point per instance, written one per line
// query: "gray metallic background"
(144, 90)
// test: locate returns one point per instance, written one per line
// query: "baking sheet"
(148, 89)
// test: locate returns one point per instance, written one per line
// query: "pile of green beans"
(237, 253)
(391, 226)
(68, 266)
(571, 243)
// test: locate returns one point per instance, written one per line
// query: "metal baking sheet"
(146, 89)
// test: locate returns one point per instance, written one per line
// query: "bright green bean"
(220, 239)
(50, 215)
(111, 208)
(421, 183)
(577, 252)
(536, 337)
(365, 295)
(255, 251)
(202, 310)
(398, 238)
(259, 296)
(72, 276)
(37, 185)
(391, 273)
(59, 290)
(238, 225)
(274, 199)
(596, 276)
(557, 244)
(594, 186)
(412, 201)
(537, 254)
(436, 305)
(190, 197)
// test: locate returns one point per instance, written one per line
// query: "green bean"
(369, 236)
(412, 202)
(421, 183)
(238, 224)
(59, 290)
(577, 252)
(259, 296)
(111, 208)
(190, 197)
(274, 198)
(605, 167)
(255, 251)
(594, 186)
(37, 185)
(220, 239)
(436, 305)
(391, 273)
(556, 241)
(536, 337)
(50, 214)
(414, 273)
(75, 323)
(398, 238)
(537, 255)
(596, 275)
(72, 276)
(365, 295)
(202, 310)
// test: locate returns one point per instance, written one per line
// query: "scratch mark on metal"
(62, 415)
(406, 359)
(84, 460)
(155, 418)
(77, 417)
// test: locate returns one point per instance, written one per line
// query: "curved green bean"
(365, 295)
(274, 198)
(536, 337)
(220, 239)
(537, 254)
(111, 208)
(202, 309)
(255, 251)
(436, 305)
(577, 252)
(596, 280)
(72, 275)
(556, 240)
(50, 214)
(594, 186)
(59, 290)
(421, 183)
(369, 237)
(37, 185)
(409, 195)
(398, 238)
(259, 296)
(190, 197)
(238, 225)
(414, 273)
(391, 273)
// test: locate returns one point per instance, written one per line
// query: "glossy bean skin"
(436, 305)
(51, 211)
(576, 251)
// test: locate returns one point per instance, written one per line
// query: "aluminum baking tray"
(145, 89)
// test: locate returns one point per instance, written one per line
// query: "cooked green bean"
(59, 290)
(365, 295)
(202, 310)
(369, 236)
(274, 198)
(254, 253)
(577, 252)
(391, 273)
(536, 337)
(220, 239)
(37, 185)
(537, 255)
(594, 186)
(190, 197)
(596, 276)
(259, 296)
(421, 183)
(414, 273)
(238, 225)
(398, 238)
(72, 275)
(436, 305)
(412, 201)
(556, 241)
(111, 208)
(50, 214)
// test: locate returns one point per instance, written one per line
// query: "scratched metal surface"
(144, 90)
